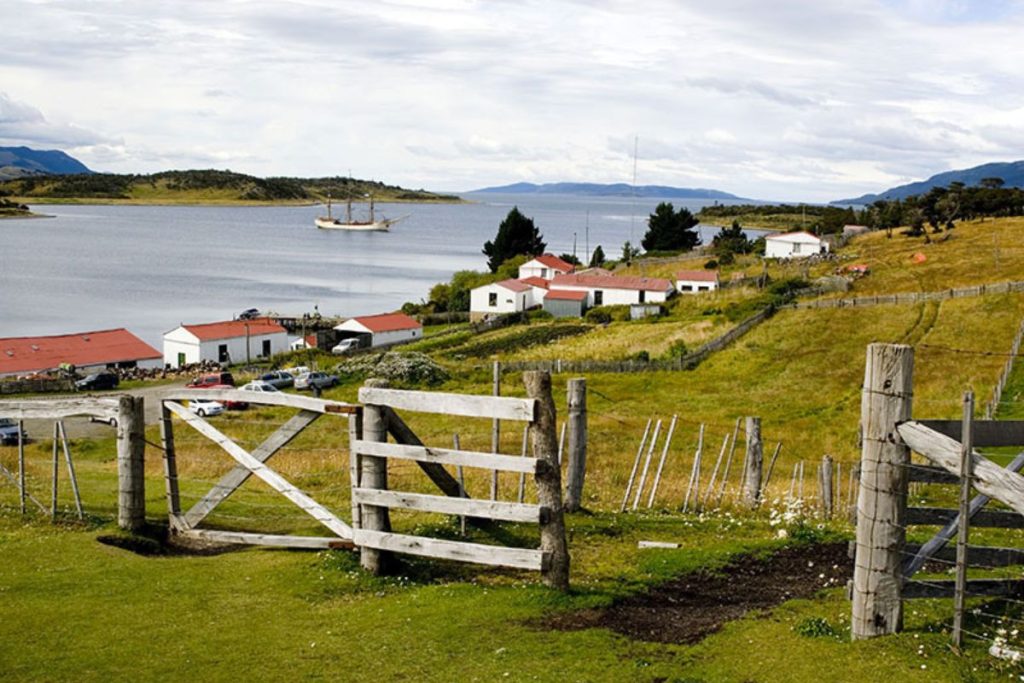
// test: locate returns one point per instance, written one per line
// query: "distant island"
(53, 177)
(1011, 173)
(609, 190)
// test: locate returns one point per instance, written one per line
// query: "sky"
(782, 100)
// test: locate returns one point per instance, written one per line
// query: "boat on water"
(329, 222)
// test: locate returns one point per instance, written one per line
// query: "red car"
(216, 379)
(230, 405)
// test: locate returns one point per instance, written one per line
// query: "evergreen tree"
(598, 259)
(669, 230)
(730, 241)
(516, 235)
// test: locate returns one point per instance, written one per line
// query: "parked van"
(214, 379)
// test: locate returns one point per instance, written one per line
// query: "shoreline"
(96, 201)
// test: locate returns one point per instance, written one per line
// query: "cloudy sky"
(787, 99)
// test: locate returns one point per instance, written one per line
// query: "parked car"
(9, 432)
(259, 386)
(97, 380)
(296, 371)
(345, 345)
(216, 379)
(319, 379)
(249, 314)
(202, 407)
(230, 405)
(279, 379)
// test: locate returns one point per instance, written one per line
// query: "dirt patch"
(691, 607)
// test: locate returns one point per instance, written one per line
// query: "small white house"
(694, 281)
(231, 341)
(545, 266)
(793, 245)
(507, 296)
(612, 290)
(383, 330)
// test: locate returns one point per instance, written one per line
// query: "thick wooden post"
(826, 486)
(577, 421)
(544, 441)
(882, 496)
(754, 462)
(170, 469)
(131, 463)
(374, 475)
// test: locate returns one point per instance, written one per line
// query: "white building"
(693, 281)
(545, 266)
(87, 351)
(793, 245)
(383, 330)
(612, 290)
(231, 341)
(507, 296)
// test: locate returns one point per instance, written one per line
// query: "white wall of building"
(695, 286)
(617, 297)
(395, 336)
(504, 300)
(794, 247)
(181, 341)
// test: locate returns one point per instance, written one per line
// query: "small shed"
(694, 281)
(385, 329)
(564, 303)
(793, 245)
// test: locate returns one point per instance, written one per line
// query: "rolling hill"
(16, 162)
(609, 190)
(1012, 174)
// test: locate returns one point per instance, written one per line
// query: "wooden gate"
(371, 499)
(249, 464)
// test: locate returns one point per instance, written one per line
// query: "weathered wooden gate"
(186, 523)
(372, 500)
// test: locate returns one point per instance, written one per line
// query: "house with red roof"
(230, 341)
(507, 296)
(545, 266)
(694, 281)
(88, 351)
(385, 329)
(793, 245)
(612, 290)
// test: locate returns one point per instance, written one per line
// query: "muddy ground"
(693, 606)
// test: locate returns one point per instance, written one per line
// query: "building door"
(642, 295)
(598, 297)
(181, 359)
(222, 353)
(266, 348)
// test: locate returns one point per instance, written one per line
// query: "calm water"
(149, 268)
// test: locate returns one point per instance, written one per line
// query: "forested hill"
(21, 161)
(610, 190)
(205, 186)
(1010, 173)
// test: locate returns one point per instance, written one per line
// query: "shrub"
(539, 314)
(406, 368)
(677, 349)
(598, 316)
(711, 265)
(643, 356)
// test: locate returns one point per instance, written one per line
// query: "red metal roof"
(387, 322)
(648, 284)
(234, 328)
(33, 354)
(698, 275)
(565, 294)
(535, 281)
(552, 261)
(514, 285)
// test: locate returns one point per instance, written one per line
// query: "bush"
(539, 314)
(677, 350)
(406, 368)
(711, 265)
(598, 316)
(643, 356)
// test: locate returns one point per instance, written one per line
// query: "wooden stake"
(966, 447)
(728, 462)
(839, 487)
(21, 464)
(71, 469)
(826, 486)
(53, 497)
(576, 472)
(695, 470)
(661, 463)
(714, 472)
(460, 475)
(522, 475)
(755, 462)
(636, 465)
(771, 468)
(647, 464)
(881, 502)
(561, 444)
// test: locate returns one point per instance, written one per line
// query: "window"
(266, 348)
(685, 288)
(598, 297)
(796, 248)
(222, 353)
(492, 299)
(643, 295)
(704, 289)
(544, 273)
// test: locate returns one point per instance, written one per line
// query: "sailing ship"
(329, 222)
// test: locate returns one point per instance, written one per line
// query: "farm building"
(793, 245)
(692, 281)
(231, 341)
(564, 303)
(611, 290)
(381, 330)
(507, 296)
(300, 343)
(87, 351)
(545, 266)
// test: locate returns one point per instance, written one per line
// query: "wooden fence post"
(131, 463)
(577, 421)
(966, 447)
(374, 475)
(754, 462)
(549, 480)
(826, 486)
(496, 431)
(882, 495)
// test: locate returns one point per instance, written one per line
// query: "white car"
(296, 371)
(204, 408)
(259, 386)
(345, 345)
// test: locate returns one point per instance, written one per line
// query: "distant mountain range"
(17, 162)
(1011, 172)
(612, 190)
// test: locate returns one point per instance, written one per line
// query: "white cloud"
(788, 99)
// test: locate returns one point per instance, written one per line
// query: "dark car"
(97, 380)
(216, 379)
(9, 432)
(249, 314)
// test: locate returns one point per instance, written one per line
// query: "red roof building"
(98, 349)
(697, 275)
(386, 322)
(565, 295)
(536, 282)
(648, 284)
(230, 329)
(545, 266)
(386, 329)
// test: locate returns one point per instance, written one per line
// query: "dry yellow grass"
(625, 339)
